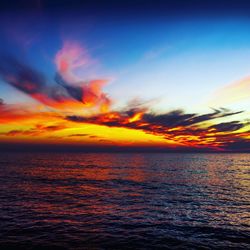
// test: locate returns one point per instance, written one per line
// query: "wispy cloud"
(37, 130)
(193, 130)
(67, 89)
(189, 129)
(232, 93)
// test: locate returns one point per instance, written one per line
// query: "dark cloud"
(75, 92)
(30, 132)
(29, 81)
(228, 126)
(38, 130)
(190, 129)
(33, 83)
(75, 118)
(179, 118)
(238, 145)
(171, 119)
(51, 127)
(168, 120)
(78, 135)
(21, 76)
(84, 135)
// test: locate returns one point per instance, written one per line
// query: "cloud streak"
(37, 130)
(232, 93)
(72, 87)
(188, 129)
(31, 82)
(66, 89)
(72, 60)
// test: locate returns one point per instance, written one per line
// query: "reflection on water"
(139, 201)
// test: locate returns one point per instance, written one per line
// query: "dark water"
(125, 201)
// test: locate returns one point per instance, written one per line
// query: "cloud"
(78, 135)
(37, 130)
(227, 126)
(30, 132)
(50, 127)
(30, 81)
(84, 135)
(168, 120)
(18, 113)
(238, 145)
(67, 88)
(74, 91)
(234, 92)
(1, 102)
(71, 59)
(189, 129)
(179, 118)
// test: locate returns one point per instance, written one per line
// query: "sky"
(153, 75)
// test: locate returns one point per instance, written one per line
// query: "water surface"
(124, 201)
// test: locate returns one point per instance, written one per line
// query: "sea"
(124, 201)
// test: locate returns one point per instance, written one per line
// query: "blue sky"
(178, 60)
(139, 73)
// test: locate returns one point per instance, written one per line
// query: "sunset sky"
(142, 74)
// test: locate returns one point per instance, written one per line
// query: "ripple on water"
(125, 201)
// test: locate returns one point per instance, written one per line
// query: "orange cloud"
(190, 130)
(73, 93)
(69, 90)
(71, 59)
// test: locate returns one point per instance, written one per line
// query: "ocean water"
(124, 201)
